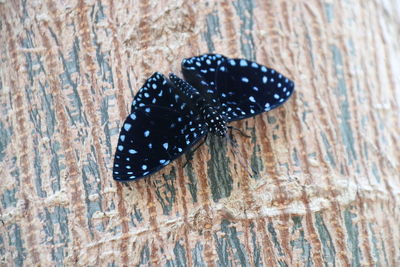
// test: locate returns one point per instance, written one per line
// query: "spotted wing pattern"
(160, 128)
(201, 73)
(157, 91)
(244, 88)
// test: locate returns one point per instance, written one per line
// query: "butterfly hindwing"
(154, 134)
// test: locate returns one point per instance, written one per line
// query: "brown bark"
(326, 191)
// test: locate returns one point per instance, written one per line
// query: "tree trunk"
(326, 188)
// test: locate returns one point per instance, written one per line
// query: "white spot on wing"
(264, 79)
(132, 151)
(127, 126)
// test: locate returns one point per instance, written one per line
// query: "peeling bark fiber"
(327, 186)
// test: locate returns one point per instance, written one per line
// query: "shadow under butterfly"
(169, 116)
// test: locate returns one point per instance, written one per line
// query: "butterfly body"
(168, 116)
(208, 111)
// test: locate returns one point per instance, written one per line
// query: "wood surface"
(327, 187)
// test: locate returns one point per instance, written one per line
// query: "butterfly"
(170, 115)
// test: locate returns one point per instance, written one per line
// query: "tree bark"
(326, 188)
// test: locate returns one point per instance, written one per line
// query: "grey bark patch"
(257, 257)
(274, 237)
(192, 185)
(144, 255)
(245, 11)
(301, 242)
(257, 165)
(8, 198)
(212, 25)
(375, 245)
(326, 240)
(328, 149)
(345, 114)
(375, 172)
(352, 237)
(228, 243)
(180, 257)
(5, 139)
(197, 255)
(218, 168)
(165, 191)
(16, 240)
(329, 12)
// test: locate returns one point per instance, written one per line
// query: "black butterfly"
(169, 116)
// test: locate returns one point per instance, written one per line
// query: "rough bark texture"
(328, 186)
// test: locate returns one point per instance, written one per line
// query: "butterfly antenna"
(235, 151)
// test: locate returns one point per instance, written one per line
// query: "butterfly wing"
(201, 73)
(247, 88)
(156, 91)
(155, 133)
(244, 88)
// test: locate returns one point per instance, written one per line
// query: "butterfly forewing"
(244, 88)
(157, 91)
(201, 73)
(154, 134)
(247, 88)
